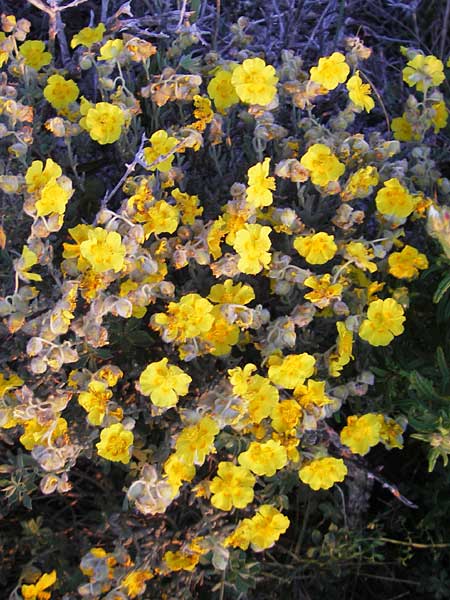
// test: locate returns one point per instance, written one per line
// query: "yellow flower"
(228, 293)
(94, 401)
(292, 370)
(103, 250)
(164, 383)
(88, 36)
(406, 264)
(189, 206)
(317, 249)
(312, 394)
(361, 433)
(440, 117)
(60, 92)
(181, 561)
(423, 72)
(391, 434)
(232, 487)
(161, 145)
(5, 48)
(255, 82)
(358, 253)
(264, 458)
(324, 292)
(343, 353)
(79, 234)
(286, 415)
(34, 54)
(260, 185)
(262, 530)
(104, 122)
(403, 130)
(36, 434)
(252, 244)
(360, 184)
(177, 471)
(359, 93)
(394, 200)
(54, 197)
(222, 335)
(222, 91)
(37, 176)
(188, 318)
(195, 442)
(322, 164)
(331, 71)
(323, 473)
(134, 582)
(384, 321)
(115, 442)
(202, 112)
(10, 383)
(111, 50)
(23, 265)
(162, 217)
(37, 591)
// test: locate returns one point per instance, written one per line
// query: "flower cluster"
(188, 320)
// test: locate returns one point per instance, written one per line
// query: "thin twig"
(445, 29)
(130, 168)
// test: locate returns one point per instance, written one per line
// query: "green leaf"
(442, 289)
(423, 386)
(442, 366)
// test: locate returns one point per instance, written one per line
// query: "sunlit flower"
(115, 443)
(403, 129)
(260, 185)
(181, 561)
(394, 200)
(37, 176)
(255, 82)
(423, 72)
(37, 591)
(324, 292)
(361, 255)
(359, 93)
(164, 383)
(317, 249)
(232, 487)
(252, 244)
(104, 122)
(195, 442)
(292, 370)
(95, 400)
(60, 92)
(111, 50)
(34, 54)
(37, 434)
(103, 250)
(407, 263)
(222, 91)
(322, 164)
(161, 145)
(134, 582)
(331, 71)
(323, 473)
(88, 36)
(360, 184)
(361, 433)
(230, 293)
(385, 320)
(264, 458)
